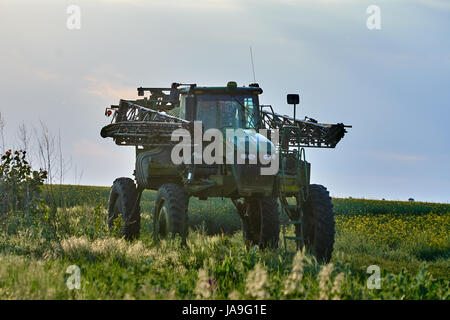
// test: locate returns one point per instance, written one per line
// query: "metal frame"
(133, 124)
(144, 123)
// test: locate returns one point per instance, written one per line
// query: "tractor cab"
(221, 107)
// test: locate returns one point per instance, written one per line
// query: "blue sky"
(392, 85)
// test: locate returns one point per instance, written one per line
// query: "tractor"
(256, 157)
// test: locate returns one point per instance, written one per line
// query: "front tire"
(170, 217)
(318, 223)
(261, 223)
(122, 202)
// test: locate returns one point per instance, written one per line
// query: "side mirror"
(174, 94)
(293, 99)
(191, 108)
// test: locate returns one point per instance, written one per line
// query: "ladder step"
(293, 238)
(291, 208)
(292, 222)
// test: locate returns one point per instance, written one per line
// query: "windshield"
(219, 111)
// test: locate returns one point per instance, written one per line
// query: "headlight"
(269, 156)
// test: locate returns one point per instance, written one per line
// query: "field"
(408, 241)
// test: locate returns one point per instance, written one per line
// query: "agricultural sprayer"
(195, 141)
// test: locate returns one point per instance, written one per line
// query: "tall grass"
(411, 248)
(214, 267)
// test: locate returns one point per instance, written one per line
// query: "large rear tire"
(261, 223)
(318, 223)
(122, 202)
(170, 217)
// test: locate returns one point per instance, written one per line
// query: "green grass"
(410, 243)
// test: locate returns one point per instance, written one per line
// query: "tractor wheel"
(122, 200)
(318, 223)
(261, 223)
(170, 217)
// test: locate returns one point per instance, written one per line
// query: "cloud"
(184, 4)
(46, 75)
(109, 84)
(91, 149)
(401, 157)
(436, 4)
(108, 90)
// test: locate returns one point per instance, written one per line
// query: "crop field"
(408, 242)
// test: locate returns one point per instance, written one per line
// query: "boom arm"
(312, 134)
(144, 122)
(133, 124)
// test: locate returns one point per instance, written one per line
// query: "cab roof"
(226, 90)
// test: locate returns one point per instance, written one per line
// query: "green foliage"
(217, 215)
(218, 267)
(366, 206)
(19, 184)
(117, 227)
(410, 249)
